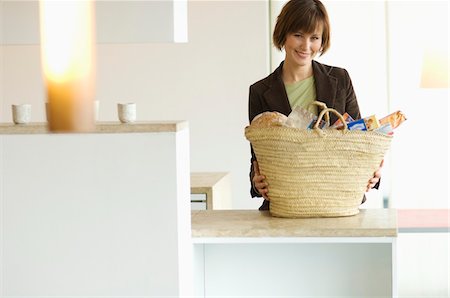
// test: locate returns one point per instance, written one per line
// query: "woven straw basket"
(316, 173)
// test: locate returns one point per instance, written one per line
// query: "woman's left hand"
(376, 177)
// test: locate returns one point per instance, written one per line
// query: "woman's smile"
(303, 55)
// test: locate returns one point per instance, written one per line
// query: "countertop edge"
(100, 127)
(367, 233)
(252, 224)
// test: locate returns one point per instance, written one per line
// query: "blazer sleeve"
(254, 108)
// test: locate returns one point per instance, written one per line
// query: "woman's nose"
(304, 45)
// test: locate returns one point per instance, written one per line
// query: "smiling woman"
(303, 31)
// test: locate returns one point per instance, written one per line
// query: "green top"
(302, 93)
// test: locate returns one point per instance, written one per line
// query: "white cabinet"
(246, 253)
(99, 214)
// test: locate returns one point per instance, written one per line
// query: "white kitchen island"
(101, 214)
(251, 254)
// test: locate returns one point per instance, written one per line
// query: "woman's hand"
(259, 183)
(376, 177)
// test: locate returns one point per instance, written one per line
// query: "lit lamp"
(435, 69)
(68, 60)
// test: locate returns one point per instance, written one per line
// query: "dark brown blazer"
(333, 87)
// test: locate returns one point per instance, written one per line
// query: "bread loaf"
(267, 119)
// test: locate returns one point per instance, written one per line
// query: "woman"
(303, 30)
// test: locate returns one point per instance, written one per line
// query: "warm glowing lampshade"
(68, 61)
(435, 69)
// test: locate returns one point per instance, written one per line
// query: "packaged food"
(300, 118)
(385, 129)
(339, 125)
(395, 119)
(322, 124)
(371, 122)
(357, 125)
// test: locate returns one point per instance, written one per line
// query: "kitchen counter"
(264, 256)
(253, 223)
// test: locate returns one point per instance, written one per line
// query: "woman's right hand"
(259, 183)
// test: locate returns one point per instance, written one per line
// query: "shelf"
(101, 127)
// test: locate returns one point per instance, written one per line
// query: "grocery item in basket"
(395, 119)
(371, 122)
(322, 124)
(357, 125)
(267, 119)
(385, 129)
(300, 118)
(339, 125)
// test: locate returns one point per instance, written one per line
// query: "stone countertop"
(206, 179)
(101, 127)
(201, 182)
(253, 223)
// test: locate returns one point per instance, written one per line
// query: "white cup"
(21, 113)
(127, 112)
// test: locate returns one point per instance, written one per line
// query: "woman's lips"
(302, 54)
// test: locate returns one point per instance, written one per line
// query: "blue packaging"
(357, 125)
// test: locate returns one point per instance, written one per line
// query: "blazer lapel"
(326, 85)
(275, 96)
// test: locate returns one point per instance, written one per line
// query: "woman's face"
(301, 48)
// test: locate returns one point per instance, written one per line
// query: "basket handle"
(323, 106)
(327, 110)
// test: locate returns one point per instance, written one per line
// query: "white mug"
(21, 113)
(127, 112)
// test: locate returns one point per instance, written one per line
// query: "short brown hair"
(302, 15)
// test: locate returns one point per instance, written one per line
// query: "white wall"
(204, 81)
(117, 21)
(420, 151)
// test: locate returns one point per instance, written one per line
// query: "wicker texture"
(316, 173)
